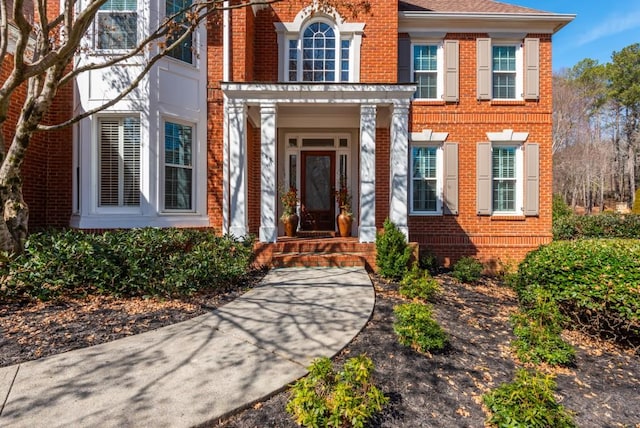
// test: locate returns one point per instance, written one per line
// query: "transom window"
(504, 72)
(178, 160)
(117, 25)
(504, 162)
(425, 70)
(426, 180)
(184, 51)
(119, 162)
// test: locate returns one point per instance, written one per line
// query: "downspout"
(226, 50)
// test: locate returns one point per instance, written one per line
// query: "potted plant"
(289, 216)
(345, 218)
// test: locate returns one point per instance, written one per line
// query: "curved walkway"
(198, 370)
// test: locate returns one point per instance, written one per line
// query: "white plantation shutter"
(119, 162)
(131, 162)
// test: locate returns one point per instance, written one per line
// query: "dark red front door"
(318, 184)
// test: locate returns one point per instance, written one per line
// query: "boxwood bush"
(137, 262)
(416, 328)
(392, 252)
(593, 282)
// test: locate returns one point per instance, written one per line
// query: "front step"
(319, 260)
(314, 252)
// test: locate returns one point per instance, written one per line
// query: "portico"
(314, 124)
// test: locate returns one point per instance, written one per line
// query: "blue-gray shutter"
(483, 58)
(404, 60)
(484, 197)
(531, 69)
(532, 184)
(450, 206)
(451, 73)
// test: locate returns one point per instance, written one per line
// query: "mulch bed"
(436, 390)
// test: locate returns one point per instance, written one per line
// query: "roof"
(463, 6)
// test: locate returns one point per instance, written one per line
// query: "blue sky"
(599, 29)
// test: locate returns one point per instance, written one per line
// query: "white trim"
(163, 165)
(508, 136)
(427, 135)
(439, 44)
(289, 31)
(519, 71)
(439, 179)
(519, 179)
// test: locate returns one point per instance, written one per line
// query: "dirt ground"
(438, 390)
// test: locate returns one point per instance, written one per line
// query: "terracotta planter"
(344, 224)
(290, 225)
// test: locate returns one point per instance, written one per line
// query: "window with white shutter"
(119, 162)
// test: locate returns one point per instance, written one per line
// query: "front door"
(317, 190)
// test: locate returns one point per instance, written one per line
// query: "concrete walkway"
(198, 370)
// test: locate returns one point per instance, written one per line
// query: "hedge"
(137, 262)
(605, 225)
(594, 282)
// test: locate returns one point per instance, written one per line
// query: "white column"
(398, 212)
(367, 228)
(237, 115)
(268, 177)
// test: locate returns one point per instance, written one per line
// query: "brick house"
(434, 113)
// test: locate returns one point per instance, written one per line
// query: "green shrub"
(392, 252)
(528, 401)
(428, 261)
(417, 283)
(560, 208)
(326, 398)
(593, 282)
(467, 269)
(605, 225)
(137, 262)
(416, 328)
(537, 342)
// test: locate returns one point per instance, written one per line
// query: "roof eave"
(554, 21)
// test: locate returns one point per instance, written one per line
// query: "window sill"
(508, 102)
(508, 217)
(426, 214)
(423, 102)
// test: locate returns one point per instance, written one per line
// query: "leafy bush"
(137, 262)
(392, 252)
(559, 208)
(417, 283)
(326, 398)
(416, 328)
(528, 401)
(467, 269)
(428, 261)
(593, 282)
(605, 225)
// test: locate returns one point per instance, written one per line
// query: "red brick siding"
(491, 239)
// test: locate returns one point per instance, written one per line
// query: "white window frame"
(96, 26)
(439, 68)
(519, 71)
(193, 167)
(439, 180)
(95, 187)
(519, 180)
(294, 31)
(193, 43)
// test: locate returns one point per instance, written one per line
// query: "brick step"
(315, 259)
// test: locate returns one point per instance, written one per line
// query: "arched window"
(321, 49)
(319, 53)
